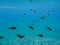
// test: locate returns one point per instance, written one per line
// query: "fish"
(40, 35)
(30, 0)
(42, 17)
(24, 14)
(13, 28)
(31, 9)
(1, 37)
(20, 36)
(53, 10)
(22, 20)
(42, 44)
(31, 27)
(39, 8)
(0, 43)
(47, 14)
(34, 10)
(49, 28)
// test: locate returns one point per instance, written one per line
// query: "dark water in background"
(12, 14)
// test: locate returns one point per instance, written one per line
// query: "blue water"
(12, 14)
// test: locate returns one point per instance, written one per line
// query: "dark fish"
(49, 28)
(0, 43)
(30, 0)
(39, 8)
(31, 9)
(31, 27)
(13, 28)
(20, 36)
(22, 20)
(40, 35)
(47, 14)
(41, 43)
(42, 17)
(1, 37)
(24, 14)
(53, 10)
(34, 10)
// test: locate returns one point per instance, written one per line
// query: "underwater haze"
(29, 22)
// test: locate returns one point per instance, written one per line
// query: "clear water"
(12, 14)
